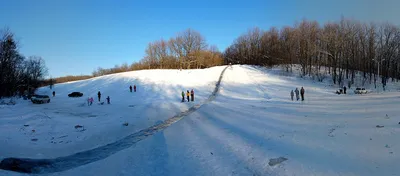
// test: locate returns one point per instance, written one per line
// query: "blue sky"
(77, 36)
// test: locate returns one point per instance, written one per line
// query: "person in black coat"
(130, 88)
(302, 91)
(344, 89)
(99, 95)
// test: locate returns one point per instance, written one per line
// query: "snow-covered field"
(251, 122)
(157, 98)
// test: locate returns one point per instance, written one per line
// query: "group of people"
(90, 99)
(134, 88)
(189, 95)
(302, 91)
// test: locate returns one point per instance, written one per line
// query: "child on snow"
(90, 101)
(188, 95)
(108, 99)
(183, 96)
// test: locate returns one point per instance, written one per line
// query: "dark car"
(39, 99)
(75, 94)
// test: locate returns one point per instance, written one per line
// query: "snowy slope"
(158, 97)
(251, 121)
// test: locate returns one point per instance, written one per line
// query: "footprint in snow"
(276, 161)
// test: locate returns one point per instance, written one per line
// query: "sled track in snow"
(43, 166)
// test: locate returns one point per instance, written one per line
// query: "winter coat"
(187, 94)
(183, 94)
(302, 91)
(297, 92)
(192, 92)
(292, 93)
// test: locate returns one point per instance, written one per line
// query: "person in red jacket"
(134, 88)
(192, 94)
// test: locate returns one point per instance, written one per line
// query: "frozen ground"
(251, 122)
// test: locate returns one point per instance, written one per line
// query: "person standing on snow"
(344, 89)
(192, 95)
(183, 96)
(130, 88)
(134, 88)
(302, 93)
(108, 99)
(292, 94)
(88, 101)
(99, 95)
(297, 94)
(54, 93)
(188, 95)
(91, 101)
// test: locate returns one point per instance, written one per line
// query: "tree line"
(339, 49)
(18, 73)
(187, 50)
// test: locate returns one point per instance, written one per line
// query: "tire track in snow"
(43, 166)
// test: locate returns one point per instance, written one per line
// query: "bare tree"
(344, 48)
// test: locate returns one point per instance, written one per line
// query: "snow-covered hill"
(251, 122)
(158, 97)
